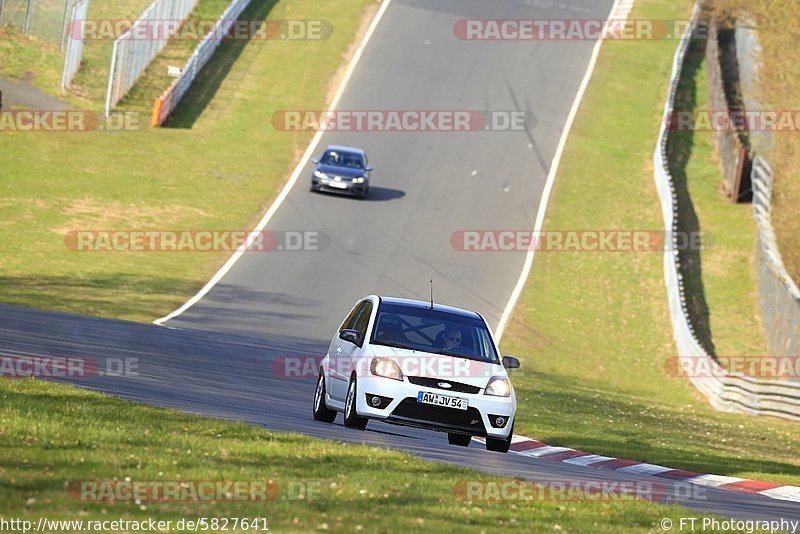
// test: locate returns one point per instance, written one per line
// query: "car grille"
(465, 420)
(457, 387)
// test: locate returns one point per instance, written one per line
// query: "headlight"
(386, 368)
(319, 174)
(498, 386)
(359, 180)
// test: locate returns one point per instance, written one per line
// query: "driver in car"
(452, 338)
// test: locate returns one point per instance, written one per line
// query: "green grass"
(51, 435)
(594, 329)
(27, 58)
(219, 169)
(40, 62)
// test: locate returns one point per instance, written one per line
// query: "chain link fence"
(726, 391)
(131, 56)
(47, 20)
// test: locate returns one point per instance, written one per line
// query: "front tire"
(321, 412)
(500, 445)
(351, 418)
(462, 440)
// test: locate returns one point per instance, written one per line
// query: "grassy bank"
(594, 328)
(51, 435)
(40, 63)
(218, 169)
(779, 29)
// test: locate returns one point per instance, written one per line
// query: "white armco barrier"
(725, 390)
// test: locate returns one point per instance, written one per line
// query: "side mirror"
(352, 336)
(369, 168)
(315, 161)
(510, 362)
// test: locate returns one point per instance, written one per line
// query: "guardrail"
(726, 391)
(166, 103)
(131, 56)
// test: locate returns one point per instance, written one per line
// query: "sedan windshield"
(343, 159)
(432, 330)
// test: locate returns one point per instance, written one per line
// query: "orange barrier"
(155, 115)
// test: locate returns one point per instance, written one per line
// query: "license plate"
(338, 185)
(442, 400)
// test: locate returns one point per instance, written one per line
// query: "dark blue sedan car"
(342, 169)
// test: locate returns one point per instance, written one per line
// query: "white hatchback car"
(411, 363)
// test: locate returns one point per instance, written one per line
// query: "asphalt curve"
(217, 358)
(426, 185)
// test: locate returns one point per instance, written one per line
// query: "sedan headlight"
(386, 368)
(498, 386)
(359, 180)
(321, 175)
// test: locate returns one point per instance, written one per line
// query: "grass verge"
(218, 171)
(594, 328)
(40, 63)
(51, 435)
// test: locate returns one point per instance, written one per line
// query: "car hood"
(345, 172)
(432, 365)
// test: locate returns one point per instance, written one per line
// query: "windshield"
(434, 331)
(343, 159)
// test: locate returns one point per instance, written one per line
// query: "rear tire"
(321, 412)
(462, 440)
(500, 445)
(351, 418)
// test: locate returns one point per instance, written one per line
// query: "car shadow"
(375, 194)
(379, 194)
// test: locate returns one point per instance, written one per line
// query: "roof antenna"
(431, 293)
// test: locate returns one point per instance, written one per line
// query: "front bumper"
(403, 409)
(348, 187)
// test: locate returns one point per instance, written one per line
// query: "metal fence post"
(27, 17)
(64, 25)
(111, 77)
